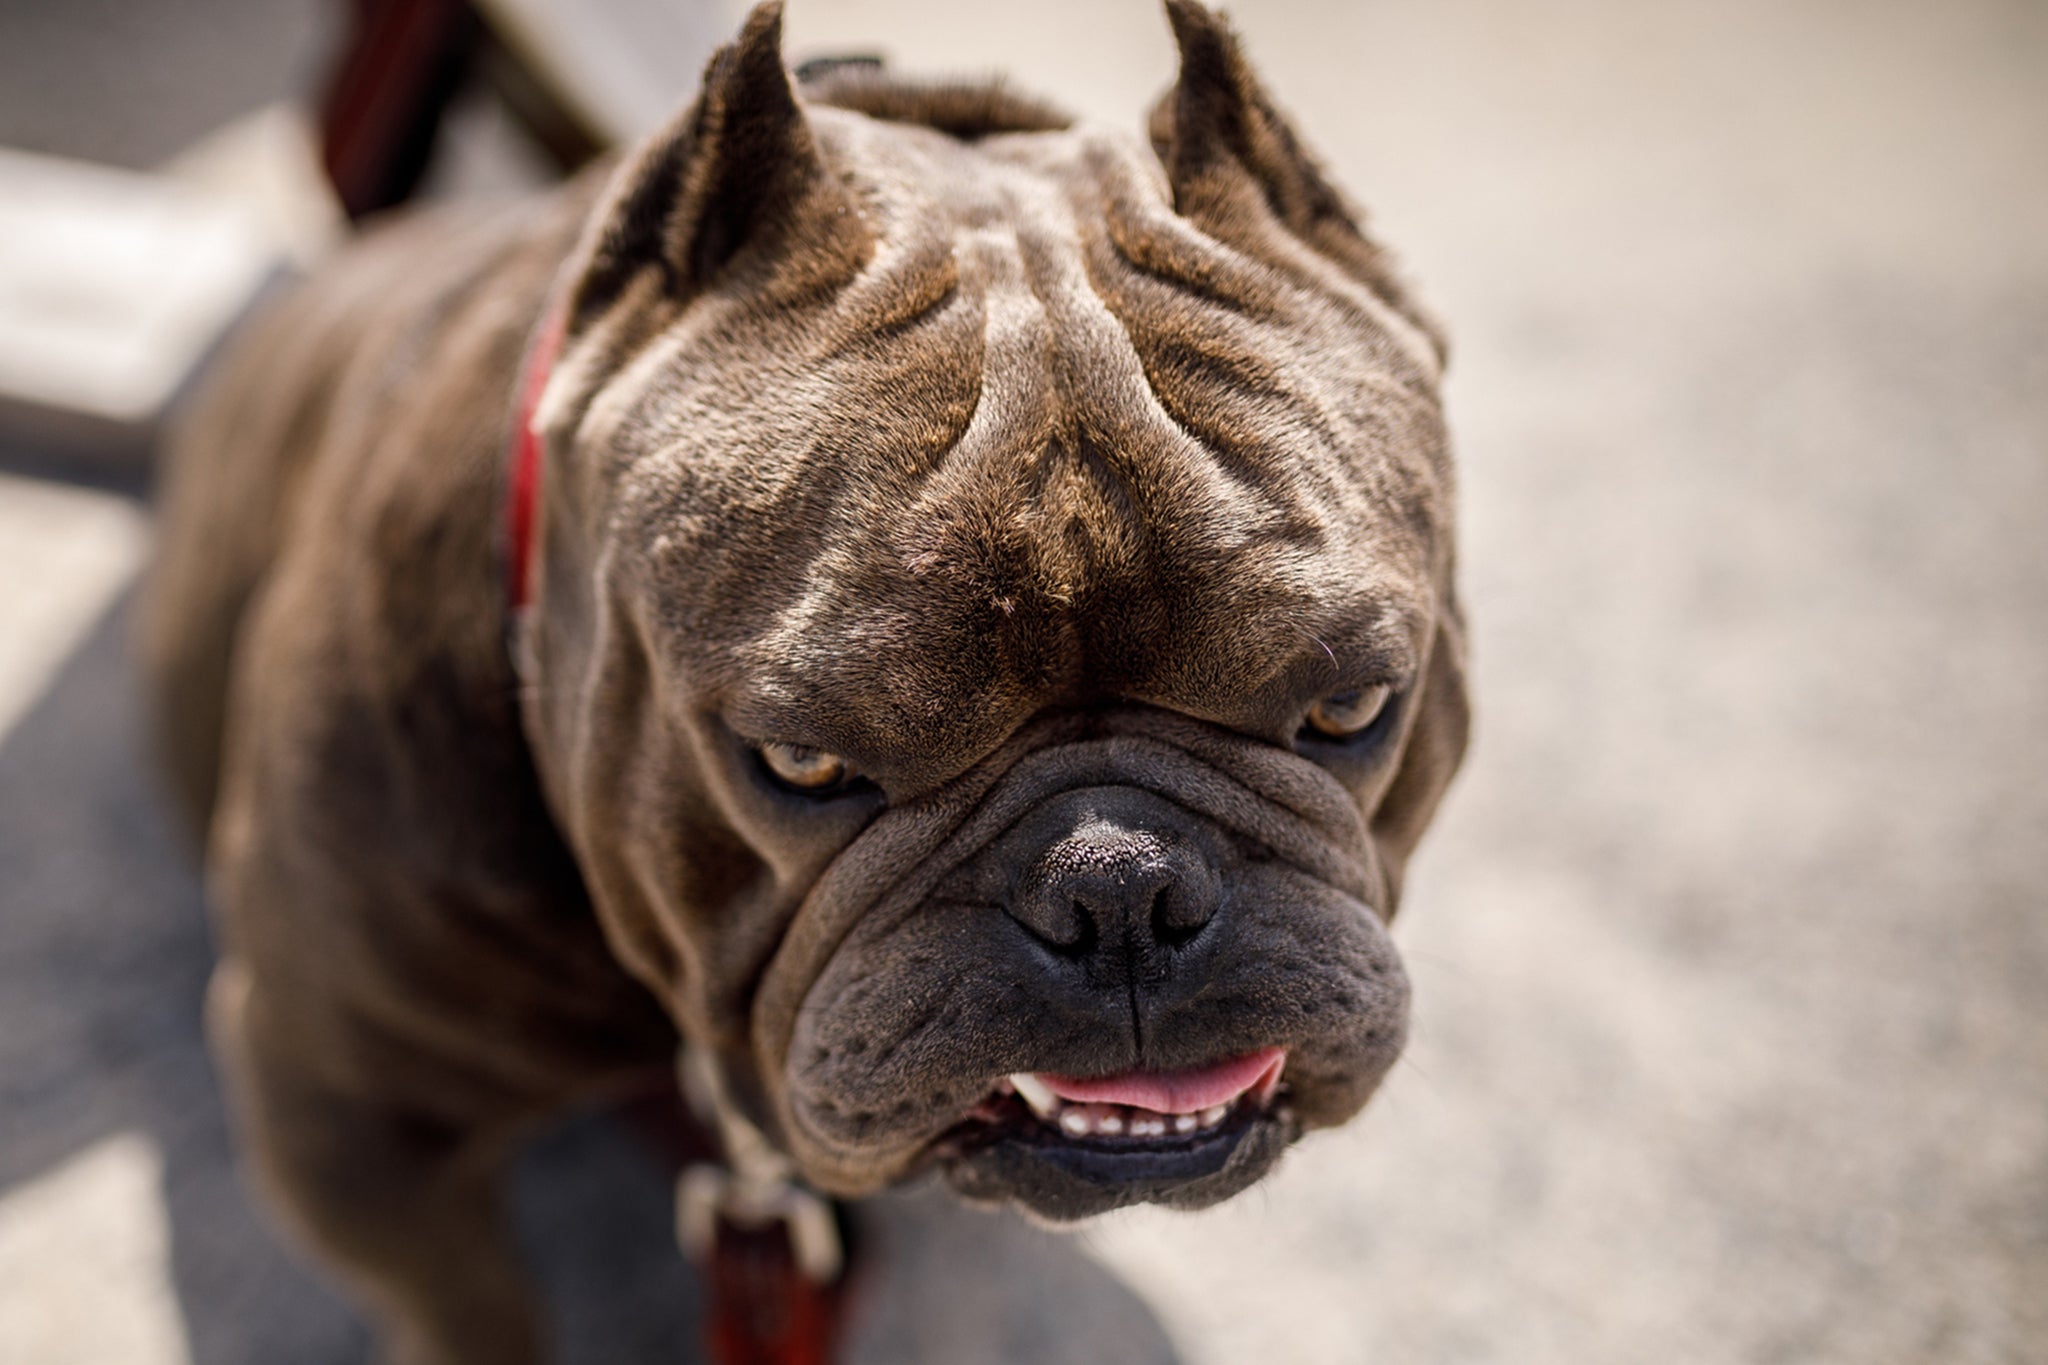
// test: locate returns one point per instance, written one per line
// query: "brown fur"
(1050, 478)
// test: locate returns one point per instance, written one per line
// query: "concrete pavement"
(1731, 1040)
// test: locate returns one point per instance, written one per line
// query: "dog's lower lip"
(1131, 1159)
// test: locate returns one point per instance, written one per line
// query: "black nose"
(1116, 888)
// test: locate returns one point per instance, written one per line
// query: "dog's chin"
(1063, 1162)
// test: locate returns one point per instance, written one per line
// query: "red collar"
(523, 463)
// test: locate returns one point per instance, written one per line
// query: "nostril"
(1175, 921)
(1082, 941)
(1061, 923)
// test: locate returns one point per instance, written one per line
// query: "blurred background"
(1730, 946)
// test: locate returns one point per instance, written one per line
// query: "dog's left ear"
(740, 167)
(1230, 156)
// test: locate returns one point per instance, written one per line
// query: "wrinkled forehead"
(1052, 437)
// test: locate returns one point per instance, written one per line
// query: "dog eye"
(806, 769)
(1342, 715)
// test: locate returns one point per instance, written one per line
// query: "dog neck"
(770, 1247)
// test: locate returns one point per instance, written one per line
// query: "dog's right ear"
(739, 169)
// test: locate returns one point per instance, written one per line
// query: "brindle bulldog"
(986, 652)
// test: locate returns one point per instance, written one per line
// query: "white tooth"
(1148, 1127)
(1183, 1123)
(1075, 1122)
(1109, 1123)
(1212, 1116)
(1037, 1094)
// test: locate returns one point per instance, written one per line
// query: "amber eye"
(805, 768)
(1342, 715)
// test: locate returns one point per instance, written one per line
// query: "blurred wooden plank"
(112, 285)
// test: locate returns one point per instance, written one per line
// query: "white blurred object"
(64, 554)
(85, 1262)
(112, 284)
(266, 165)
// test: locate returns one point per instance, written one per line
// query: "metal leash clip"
(755, 1190)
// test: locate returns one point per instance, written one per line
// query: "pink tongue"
(1175, 1092)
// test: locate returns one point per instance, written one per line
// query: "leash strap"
(761, 1311)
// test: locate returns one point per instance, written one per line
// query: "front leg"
(404, 1204)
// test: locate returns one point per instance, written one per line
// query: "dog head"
(994, 645)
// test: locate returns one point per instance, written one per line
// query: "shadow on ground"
(101, 971)
(103, 964)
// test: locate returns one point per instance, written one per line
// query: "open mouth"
(1135, 1125)
(1140, 1105)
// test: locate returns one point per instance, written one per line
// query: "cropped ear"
(1216, 130)
(740, 166)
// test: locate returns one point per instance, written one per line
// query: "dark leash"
(771, 1250)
